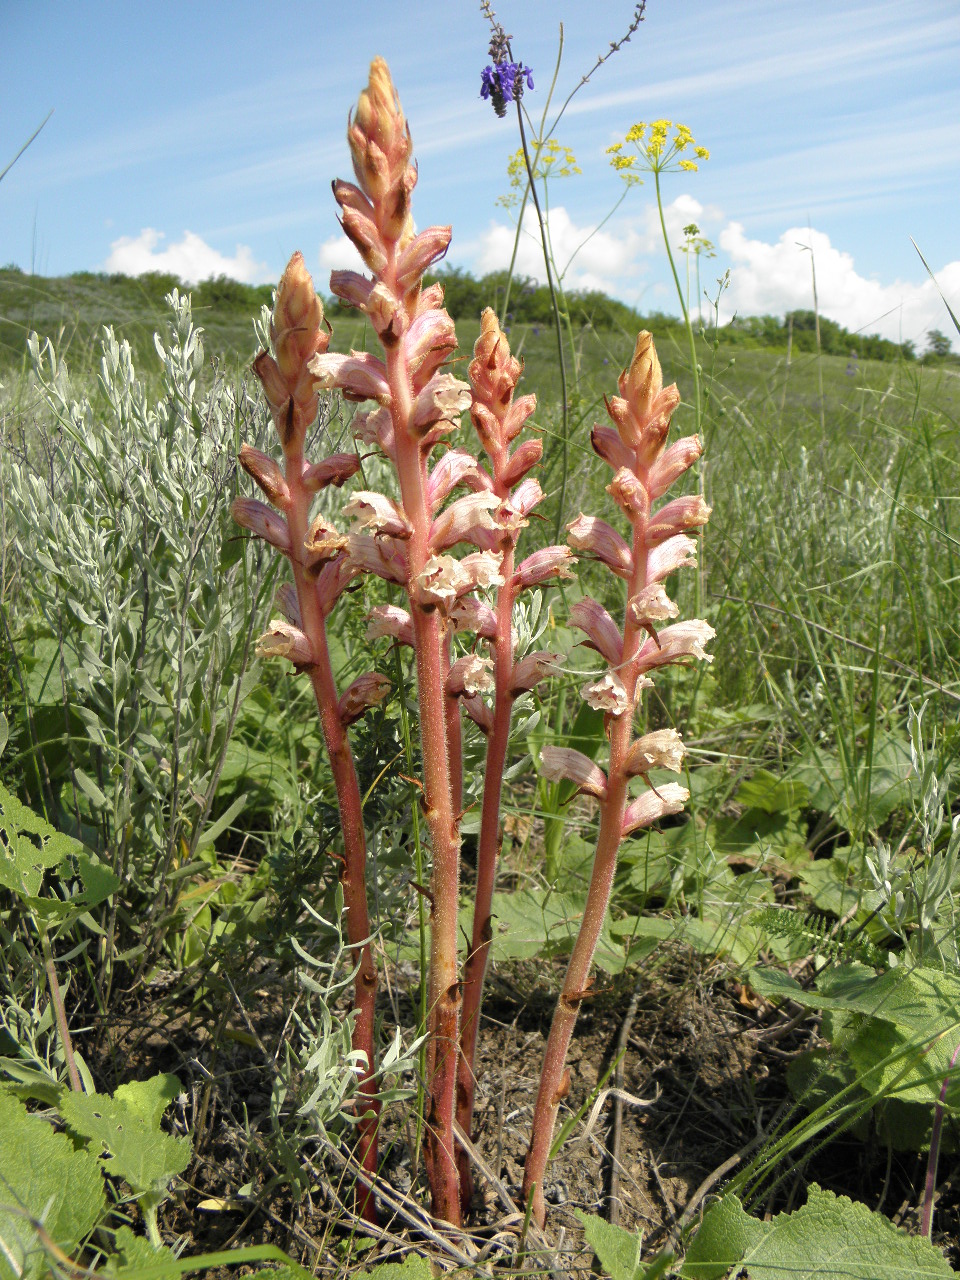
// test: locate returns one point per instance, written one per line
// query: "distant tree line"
(529, 303)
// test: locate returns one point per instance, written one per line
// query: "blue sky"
(202, 137)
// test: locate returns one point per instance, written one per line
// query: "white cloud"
(190, 258)
(337, 253)
(774, 278)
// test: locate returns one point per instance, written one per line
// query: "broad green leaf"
(413, 1267)
(29, 846)
(135, 1252)
(772, 794)
(124, 1132)
(617, 1249)
(46, 1178)
(830, 1238)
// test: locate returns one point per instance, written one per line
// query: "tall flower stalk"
(499, 420)
(659, 545)
(321, 571)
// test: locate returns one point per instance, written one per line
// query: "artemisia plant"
(446, 499)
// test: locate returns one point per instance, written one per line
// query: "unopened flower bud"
(672, 463)
(335, 470)
(422, 252)
(608, 445)
(387, 315)
(366, 691)
(288, 603)
(297, 320)
(479, 712)
(526, 456)
(256, 516)
(588, 533)
(427, 343)
(652, 805)
(366, 239)
(266, 473)
(541, 566)
(470, 614)
(604, 634)
(531, 669)
(630, 495)
(376, 555)
(563, 764)
(683, 513)
(454, 468)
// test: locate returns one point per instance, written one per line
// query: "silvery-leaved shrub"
(135, 611)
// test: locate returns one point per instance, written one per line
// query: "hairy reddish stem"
(488, 853)
(353, 872)
(554, 1081)
(442, 817)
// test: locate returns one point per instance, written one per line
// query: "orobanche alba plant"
(446, 538)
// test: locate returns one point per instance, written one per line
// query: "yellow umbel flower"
(660, 147)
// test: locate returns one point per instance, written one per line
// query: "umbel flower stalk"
(658, 545)
(321, 571)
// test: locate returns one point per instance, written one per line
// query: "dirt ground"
(703, 1086)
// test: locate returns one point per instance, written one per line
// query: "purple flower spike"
(504, 83)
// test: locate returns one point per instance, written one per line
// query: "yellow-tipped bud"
(643, 381)
(297, 330)
(378, 134)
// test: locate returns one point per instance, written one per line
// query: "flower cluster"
(502, 83)
(657, 151)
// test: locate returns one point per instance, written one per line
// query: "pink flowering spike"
(335, 470)
(351, 288)
(256, 516)
(630, 495)
(531, 669)
(332, 580)
(289, 605)
(478, 711)
(389, 621)
(675, 553)
(650, 606)
(422, 252)
(266, 473)
(550, 562)
(463, 519)
(604, 634)
(652, 806)
(563, 764)
(526, 456)
(608, 694)
(587, 533)
(682, 640)
(323, 542)
(456, 467)
(518, 413)
(376, 555)
(358, 376)
(366, 691)
(662, 749)
(674, 517)
(672, 463)
(282, 640)
(608, 445)
(430, 339)
(469, 676)
(470, 614)
(378, 513)
(526, 496)
(440, 404)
